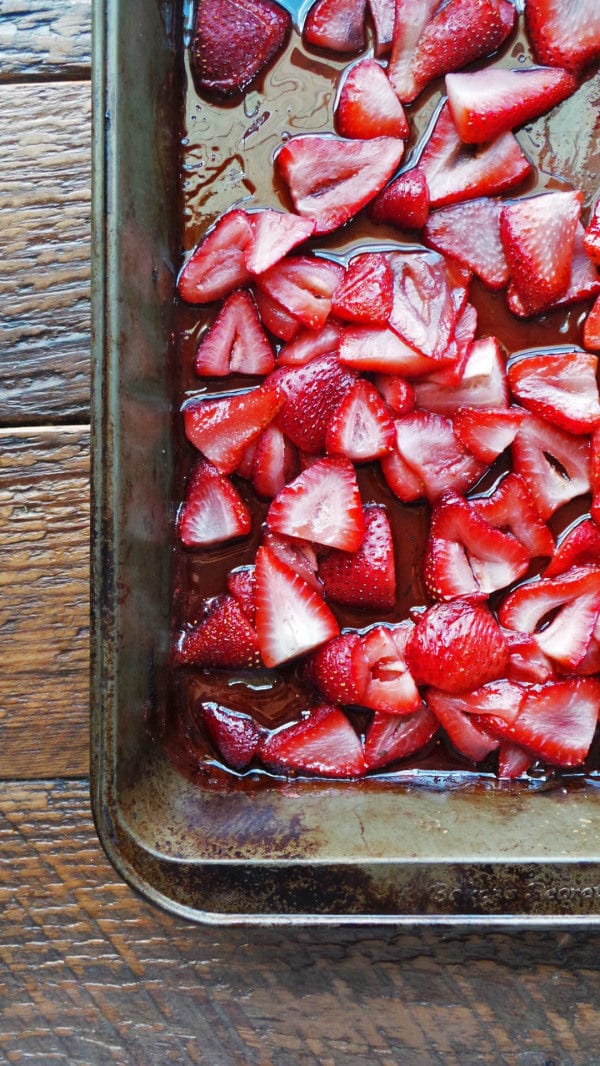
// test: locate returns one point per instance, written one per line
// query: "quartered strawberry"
(336, 25)
(221, 429)
(224, 639)
(555, 464)
(559, 386)
(322, 505)
(470, 232)
(367, 105)
(538, 235)
(235, 736)
(403, 203)
(456, 647)
(455, 172)
(482, 384)
(312, 394)
(511, 508)
(298, 554)
(557, 721)
(365, 293)
(411, 18)
(428, 444)
(466, 735)
(330, 179)
(340, 670)
(303, 286)
(591, 328)
(460, 32)
(234, 41)
(391, 738)
(391, 688)
(564, 35)
(322, 743)
(235, 343)
(361, 428)
(398, 393)
(513, 761)
(591, 238)
(580, 546)
(487, 432)
(275, 462)
(291, 618)
(467, 556)
(310, 343)
(274, 234)
(487, 102)
(218, 265)
(401, 478)
(213, 511)
(365, 578)
(241, 584)
(429, 295)
(383, 351)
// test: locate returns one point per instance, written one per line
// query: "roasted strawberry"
(224, 639)
(234, 41)
(580, 546)
(365, 578)
(556, 722)
(527, 662)
(485, 103)
(298, 554)
(275, 462)
(564, 36)
(428, 296)
(487, 432)
(501, 699)
(383, 15)
(482, 384)
(241, 584)
(361, 428)
(235, 736)
(383, 351)
(555, 464)
(291, 618)
(322, 743)
(398, 393)
(470, 232)
(391, 688)
(275, 317)
(538, 235)
(340, 670)
(460, 32)
(391, 737)
(513, 761)
(236, 342)
(366, 292)
(221, 429)
(367, 105)
(430, 447)
(560, 386)
(337, 25)
(403, 203)
(309, 344)
(591, 239)
(213, 511)
(312, 394)
(411, 18)
(456, 647)
(584, 282)
(217, 265)
(511, 508)
(274, 234)
(321, 505)
(303, 286)
(466, 735)
(591, 328)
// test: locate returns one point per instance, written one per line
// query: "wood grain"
(44, 602)
(44, 38)
(44, 253)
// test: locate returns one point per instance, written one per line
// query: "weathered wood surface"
(44, 253)
(44, 39)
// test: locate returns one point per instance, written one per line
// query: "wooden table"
(89, 973)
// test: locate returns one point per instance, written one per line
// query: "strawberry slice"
(303, 286)
(322, 743)
(291, 618)
(460, 32)
(458, 354)
(322, 505)
(591, 237)
(330, 179)
(456, 647)
(501, 698)
(573, 600)
(224, 639)
(221, 429)
(213, 511)
(513, 762)
(391, 688)
(564, 35)
(368, 106)
(538, 235)
(310, 343)
(234, 41)
(383, 351)
(510, 507)
(482, 385)
(235, 343)
(487, 102)
(428, 444)
(274, 234)
(398, 393)
(403, 203)
(340, 670)
(336, 25)
(366, 293)
(235, 736)
(361, 428)
(469, 739)
(391, 738)
(555, 464)
(487, 432)
(275, 462)
(428, 298)
(584, 282)
(455, 172)
(383, 14)
(580, 546)
(559, 386)
(365, 578)
(411, 18)
(557, 722)
(591, 328)
(275, 317)
(312, 394)
(218, 265)
(470, 232)
(466, 556)
(527, 662)
(299, 555)
(241, 584)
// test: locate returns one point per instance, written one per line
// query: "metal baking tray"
(475, 852)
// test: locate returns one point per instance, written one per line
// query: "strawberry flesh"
(456, 647)
(366, 578)
(235, 736)
(323, 743)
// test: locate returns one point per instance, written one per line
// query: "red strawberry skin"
(456, 647)
(233, 42)
(564, 35)
(312, 393)
(367, 578)
(235, 736)
(223, 639)
(213, 511)
(339, 670)
(323, 743)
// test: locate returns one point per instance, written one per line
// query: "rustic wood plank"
(44, 602)
(91, 974)
(45, 38)
(44, 253)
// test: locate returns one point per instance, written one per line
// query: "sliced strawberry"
(460, 32)
(221, 429)
(291, 618)
(312, 393)
(584, 282)
(275, 462)
(383, 351)
(218, 265)
(560, 386)
(365, 578)
(591, 328)
(235, 343)
(487, 432)
(330, 179)
(411, 17)
(303, 286)
(557, 722)
(456, 647)
(274, 234)
(361, 428)
(322, 743)
(466, 556)
(594, 475)
(365, 294)
(391, 738)
(591, 238)
(383, 14)
(470, 232)
(428, 298)
(235, 736)
(580, 546)
(458, 354)
(428, 444)
(513, 762)
(487, 102)
(234, 41)
(299, 555)
(245, 466)
(511, 508)
(321, 505)
(310, 343)
(336, 25)
(403, 203)
(564, 36)
(241, 584)
(538, 235)
(367, 105)
(340, 669)
(398, 393)
(391, 688)
(555, 464)
(404, 482)
(213, 511)
(501, 698)
(469, 739)
(455, 172)
(275, 317)
(224, 639)
(482, 385)
(527, 662)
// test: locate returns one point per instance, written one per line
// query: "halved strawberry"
(367, 105)
(235, 343)
(365, 293)
(340, 670)
(323, 743)
(298, 554)
(557, 722)
(291, 618)
(470, 232)
(466, 556)
(460, 32)
(411, 17)
(322, 505)
(466, 735)
(312, 393)
(275, 462)
(330, 179)
(430, 447)
(303, 286)
(482, 385)
(538, 235)
(487, 432)
(234, 41)
(221, 429)
(565, 36)
(224, 639)
(365, 578)
(579, 546)
(381, 350)
(429, 295)
(391, 688)
(559, 385)
(241, 584)
(274, 234)
(235, 736)
(455, 172)
(591, 238)
(511, 508)
(217, 265)
(337, 25)
(456, 647)
(398, 393)
(310, 343)
(361, 428)
(555, 464)
(591, 328)
(213, 511)
(403, 203)
(487, 102)
(513, 761)
(391, 737)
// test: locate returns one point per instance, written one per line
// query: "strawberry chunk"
(427, 443)
(527, 662)
(236, 342)
(403, 203)
(485, 103)
(275, 462)
(555, 464)
(274, 234)
(365, 578)
(336, 25)
(383, 14)
(221, 429)
(558, 386)
(224, 639)
(591, 328)
(381, 350)
(584, 282)
(502, 699)
(322, 743)
(456, 647)
(391, 688)
(511, 508)
(411, 18)
(428, 297)
(235, 736)
(361, 428)
(466, 735)
(312, 394)
(366, 292)
(303, 286)
(482, 385)
(241, 584)
(322, 505)
(391, 738)
(218, 265)
(591, 238)
(564, 35)
(310, 343)
(557, 722)
(298, 554)
(368, 106)
(580, 546)
(340, 669)
(513, 762)
(275, 317)
(538, 235)
(398, 393)
(291, 618)
(234, 41)
(213, 511)
(460, 32)
(470, 232)
(487, 432)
